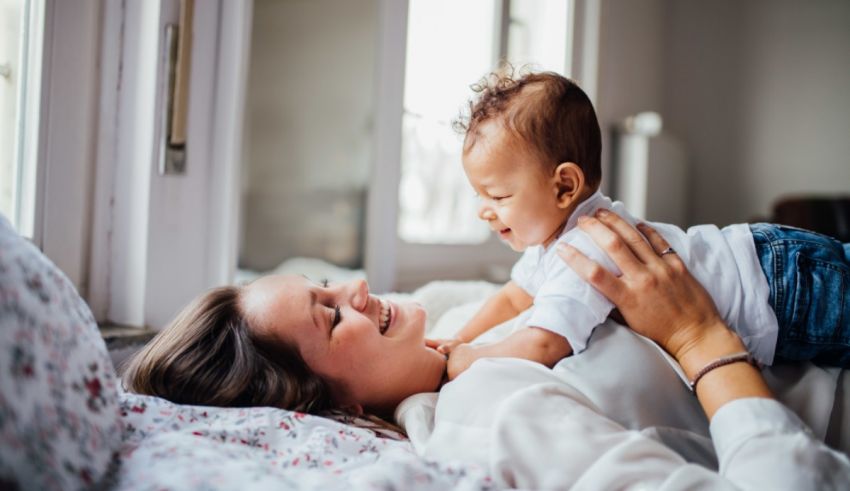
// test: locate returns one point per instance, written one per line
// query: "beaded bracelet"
(721, 362)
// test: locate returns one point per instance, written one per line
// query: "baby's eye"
(500, 198)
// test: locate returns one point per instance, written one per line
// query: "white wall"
(797, 100)
(631, 59)
(759, 92)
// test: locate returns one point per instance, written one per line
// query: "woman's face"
(371, 352)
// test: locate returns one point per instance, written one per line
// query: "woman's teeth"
(384, 323)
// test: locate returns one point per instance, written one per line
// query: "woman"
(288, 342)
(315, 347)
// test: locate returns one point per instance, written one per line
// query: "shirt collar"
(588, 207)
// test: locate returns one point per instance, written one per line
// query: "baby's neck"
(581, 198)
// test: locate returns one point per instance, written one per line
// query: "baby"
(532, 153)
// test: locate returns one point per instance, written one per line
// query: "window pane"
(10, 37)
(537, 34)
(20, 45)
(450, 45)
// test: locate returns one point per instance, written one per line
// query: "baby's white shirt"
(723, 260)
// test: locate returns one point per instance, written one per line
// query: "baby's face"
(519, 196)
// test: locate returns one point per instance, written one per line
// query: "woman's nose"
(359, 294)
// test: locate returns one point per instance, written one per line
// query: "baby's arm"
(505, 304)
(531, 343)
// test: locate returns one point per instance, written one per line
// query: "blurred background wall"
(756, 90)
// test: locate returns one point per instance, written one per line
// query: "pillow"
(59, 418)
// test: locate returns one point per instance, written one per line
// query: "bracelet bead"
(722, 362)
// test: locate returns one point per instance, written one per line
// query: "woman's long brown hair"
(209, 356)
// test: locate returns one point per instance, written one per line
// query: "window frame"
(64, 140)
(159, 240)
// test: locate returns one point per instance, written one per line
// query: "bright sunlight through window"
(20, 49)
(450, 45)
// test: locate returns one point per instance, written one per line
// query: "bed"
(65, 422)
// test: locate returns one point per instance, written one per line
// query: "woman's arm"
(760, 443)
(659, 298)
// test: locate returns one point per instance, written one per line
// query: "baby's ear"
(569, 180)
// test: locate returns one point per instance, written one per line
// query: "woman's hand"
(659, 298)
(656, 294)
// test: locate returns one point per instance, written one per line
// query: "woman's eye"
(337, 316)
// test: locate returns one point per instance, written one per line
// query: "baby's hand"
(460, 358)
(444, 346)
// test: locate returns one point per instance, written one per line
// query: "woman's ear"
(569, 183)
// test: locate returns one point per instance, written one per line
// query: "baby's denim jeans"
(809, 278)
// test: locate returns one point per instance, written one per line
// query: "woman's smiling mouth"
(385, 317)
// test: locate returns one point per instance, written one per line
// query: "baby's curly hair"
(548, 113)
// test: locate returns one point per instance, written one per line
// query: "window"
(538, 34)
(20, 52)
(451, 45)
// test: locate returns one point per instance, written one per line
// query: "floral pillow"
(59, 418)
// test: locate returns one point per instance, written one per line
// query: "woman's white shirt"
(618, 416)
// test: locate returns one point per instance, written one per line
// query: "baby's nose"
(486, 213)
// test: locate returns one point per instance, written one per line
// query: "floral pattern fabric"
(59, 419)
(170, 446)
(65, 423)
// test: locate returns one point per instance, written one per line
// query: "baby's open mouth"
(385, 317)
